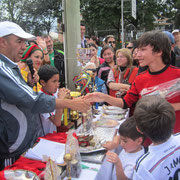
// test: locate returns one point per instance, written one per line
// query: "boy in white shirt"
(131, 141)
(155, 117)
(49, 80)
(124, 163)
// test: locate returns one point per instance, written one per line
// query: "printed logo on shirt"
(168, 90)
(175, 162)
(176, 175)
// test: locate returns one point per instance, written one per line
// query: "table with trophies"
(76, 154)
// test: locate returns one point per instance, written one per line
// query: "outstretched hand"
(95, 97)
(80, 104)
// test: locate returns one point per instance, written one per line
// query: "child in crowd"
(131, 142)
(49, 80)
(155, 117)
(90, 68)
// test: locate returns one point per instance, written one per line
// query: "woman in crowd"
(94, 59)
(136, 62)
(35, 53)
(123, 74)
(135, 58)
(107, 53)
(95, 40)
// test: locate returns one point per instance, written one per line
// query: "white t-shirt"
(48, 125)
(128, 161)
(160, 162)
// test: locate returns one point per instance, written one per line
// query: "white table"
(90, 174)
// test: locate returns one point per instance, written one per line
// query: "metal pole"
(71, 19)
(122, 23)
(64, 41)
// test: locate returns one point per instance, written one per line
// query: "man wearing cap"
(19, 104)
(176, 35)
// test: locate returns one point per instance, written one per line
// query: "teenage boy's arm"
(100, 97)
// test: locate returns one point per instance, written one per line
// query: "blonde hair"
(89, 65)
(128, 54)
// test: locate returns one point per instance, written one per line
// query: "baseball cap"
(7, 28)
(170, 36)
(175, 31)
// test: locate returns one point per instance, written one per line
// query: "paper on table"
(51, 149)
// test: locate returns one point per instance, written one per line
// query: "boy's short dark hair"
(159, 42)
(82, 23)
(46, 72)
(155, 117)
(128, 129)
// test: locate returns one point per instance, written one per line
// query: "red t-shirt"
(164, 83)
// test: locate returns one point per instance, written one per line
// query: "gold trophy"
(74, 115)
(68, 159)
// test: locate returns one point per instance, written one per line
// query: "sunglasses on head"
(93, 70)
(112, 42)
(129, 47)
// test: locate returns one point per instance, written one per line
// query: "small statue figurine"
(67, 159)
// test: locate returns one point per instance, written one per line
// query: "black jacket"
(59, 64)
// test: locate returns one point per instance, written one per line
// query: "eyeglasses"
(129, 47)
(112, 42)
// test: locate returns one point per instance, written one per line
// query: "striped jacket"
(19, 111)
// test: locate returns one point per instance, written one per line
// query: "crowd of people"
(144, 77)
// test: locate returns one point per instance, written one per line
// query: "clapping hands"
(63, 93)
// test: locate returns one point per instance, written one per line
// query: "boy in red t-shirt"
(161, 79)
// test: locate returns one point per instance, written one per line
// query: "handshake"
(82, 104)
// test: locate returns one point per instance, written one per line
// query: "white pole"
(122, 23)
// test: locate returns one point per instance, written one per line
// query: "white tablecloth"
(89, 174)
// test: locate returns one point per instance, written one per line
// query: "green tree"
(106, 14)
(35, 16)
(44, 13)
